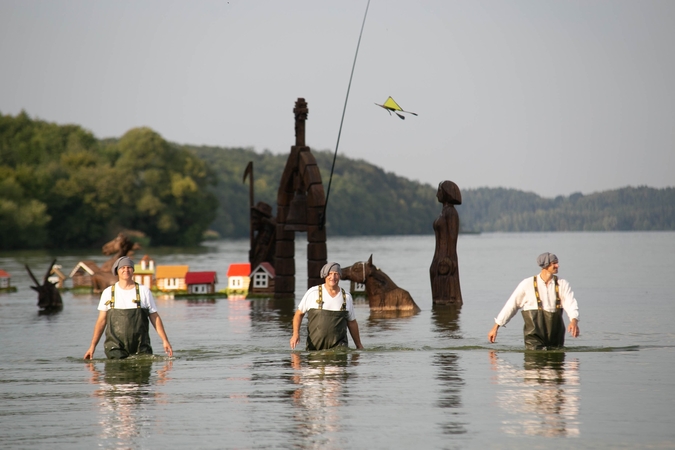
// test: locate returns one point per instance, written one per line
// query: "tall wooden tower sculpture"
(300, 203)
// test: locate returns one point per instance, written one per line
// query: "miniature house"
(56, 277)
(144, 273)
(82, 273)
(357, 289)
(171, 278)
(238, 278)
(262, 279)
(5, 280)
(201, 282)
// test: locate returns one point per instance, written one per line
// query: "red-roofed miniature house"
(201, 282)
(262, 279)
(5, 280)
(238, 278)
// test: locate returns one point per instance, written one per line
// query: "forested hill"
(625, 209)
(60, 187)
(365, 200)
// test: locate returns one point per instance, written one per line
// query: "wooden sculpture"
(49, 297)
(383, 294)
(263, 244)
(300, 202)
(444, 270)
(118, 247)
(263, 227)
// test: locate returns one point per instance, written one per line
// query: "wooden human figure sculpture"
(444, 270)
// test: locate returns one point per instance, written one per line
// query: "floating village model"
(270, 271)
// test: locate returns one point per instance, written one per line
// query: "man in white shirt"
(542, 299)
(124, 311)
(330, 312)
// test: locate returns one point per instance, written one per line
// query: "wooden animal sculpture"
(101, 280)
(383, 294)
(49, 297)
(120, 246)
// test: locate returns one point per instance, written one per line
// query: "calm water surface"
(427, 381)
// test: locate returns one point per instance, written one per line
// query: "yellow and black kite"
(390, 105)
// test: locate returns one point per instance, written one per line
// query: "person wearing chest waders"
(125, 309)
(542, 298)
(330, 313)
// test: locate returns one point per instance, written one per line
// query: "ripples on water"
(424, 381)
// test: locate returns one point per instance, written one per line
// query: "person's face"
(333, 279)
(552, 268)
(125, 272)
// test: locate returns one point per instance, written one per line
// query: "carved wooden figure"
(300, 202)
(118, 247)
(264, 228)
(383, 294)
(49, 297)
(444, 270)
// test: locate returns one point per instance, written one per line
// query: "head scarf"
(546, 259)
(122, 261)
(330, 267)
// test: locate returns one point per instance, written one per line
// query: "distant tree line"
(625, 209)
(60, 187)
(365, 200)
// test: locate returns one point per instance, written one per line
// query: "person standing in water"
(330, 313)
(542, 299)
(125, 309)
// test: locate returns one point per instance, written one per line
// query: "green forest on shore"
(61, 187)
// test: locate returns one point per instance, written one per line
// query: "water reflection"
(238, 314)
(125, 388)
(542, 398)
(318, 395)
(452, 383)
(446, 321)
(267, 311)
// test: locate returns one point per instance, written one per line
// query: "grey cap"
(328, 268)
(546, 259)
(122, 261)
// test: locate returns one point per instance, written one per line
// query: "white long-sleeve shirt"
(524, 298)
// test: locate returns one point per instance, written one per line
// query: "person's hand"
(167, 349)
(492, 335)
(573, 328)
(89, 354)
(294, 340)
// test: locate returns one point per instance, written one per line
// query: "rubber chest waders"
(544, 329)
(327, 329)
(127, 329)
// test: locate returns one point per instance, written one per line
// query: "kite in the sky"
(390, 105)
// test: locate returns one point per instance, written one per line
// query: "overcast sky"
(552, 97)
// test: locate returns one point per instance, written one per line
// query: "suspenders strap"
(111, 302)
(558, 304)
(344, 299)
